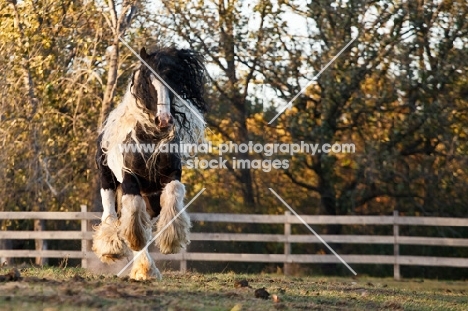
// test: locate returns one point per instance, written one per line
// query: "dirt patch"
(76, 289)
(11, 276)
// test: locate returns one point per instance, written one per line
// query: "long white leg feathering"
(107, 244)
(135, 223)
(176, 235)
(144, 267)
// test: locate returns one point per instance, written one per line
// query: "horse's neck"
(123, 120)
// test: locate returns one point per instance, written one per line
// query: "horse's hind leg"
(143, 266)
(135, 228)
(172, 230)
(106, 242)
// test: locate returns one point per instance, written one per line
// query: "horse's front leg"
(135, 228)
(106, 242)
(173, 227)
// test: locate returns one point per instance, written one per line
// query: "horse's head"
(178, 70)
(153, 93)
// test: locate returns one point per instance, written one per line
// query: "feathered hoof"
(135, 224)
(175, 237)
(172, 230)
(144, 269)
(107, 245)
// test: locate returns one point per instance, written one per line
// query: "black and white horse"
(145, 182)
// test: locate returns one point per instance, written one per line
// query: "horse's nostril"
(157, 121)
(164, 122)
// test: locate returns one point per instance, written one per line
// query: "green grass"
(75, 289)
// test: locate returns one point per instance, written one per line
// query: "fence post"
(396, 247)
(183, 261)
(287, 245)
(84, 241)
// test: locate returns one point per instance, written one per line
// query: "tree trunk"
(111, 82)
(228, 45)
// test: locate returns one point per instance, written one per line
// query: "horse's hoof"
(145, 275)
(106, 243)
(106, 259)
(111, 258)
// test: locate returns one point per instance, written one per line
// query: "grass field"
(51, 289)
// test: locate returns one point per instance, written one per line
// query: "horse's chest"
(149, 160)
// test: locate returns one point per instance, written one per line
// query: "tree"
(233, 52)
(48, 133)
(380, 95)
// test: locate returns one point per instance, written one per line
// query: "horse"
(141, 189)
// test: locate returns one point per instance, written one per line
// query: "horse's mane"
(183, 70)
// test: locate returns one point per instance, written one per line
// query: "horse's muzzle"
(164, 121)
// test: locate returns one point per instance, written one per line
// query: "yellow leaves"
(212, 136)
(258, 117)
(346, 162)
(47, 42)
(349, 163)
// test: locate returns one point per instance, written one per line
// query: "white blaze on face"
(164, 106)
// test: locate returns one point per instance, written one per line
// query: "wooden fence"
(85, 235)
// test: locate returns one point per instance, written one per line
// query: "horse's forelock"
(141, 88)
(183, 70)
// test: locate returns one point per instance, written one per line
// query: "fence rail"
(85, 235)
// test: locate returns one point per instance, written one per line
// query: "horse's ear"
(143, 53)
